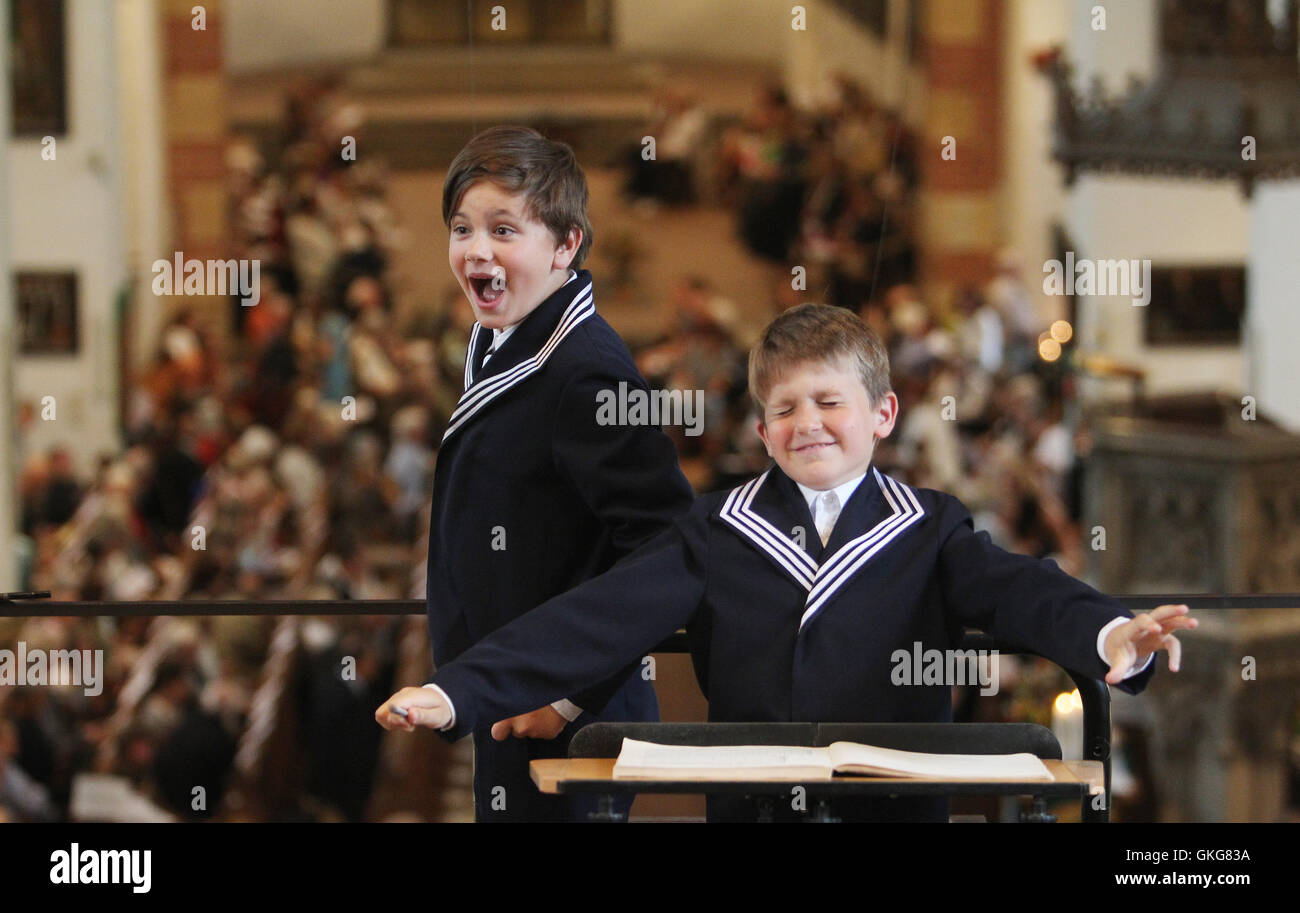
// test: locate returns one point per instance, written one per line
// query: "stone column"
(1272, 326)
(144, 170)
(195, 118)
(9, 518)
(960, 229)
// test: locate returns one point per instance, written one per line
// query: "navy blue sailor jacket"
(782, 633)
(533, 494)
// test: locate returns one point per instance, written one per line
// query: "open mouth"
(814, 448)
(488, 288)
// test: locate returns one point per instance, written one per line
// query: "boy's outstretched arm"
(569, 642)
(627, 474)
(1131, 643)
(1033, 604)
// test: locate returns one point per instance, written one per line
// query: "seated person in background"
(798, 587)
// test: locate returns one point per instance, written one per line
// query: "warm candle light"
(1067, 724)
(1067, 701)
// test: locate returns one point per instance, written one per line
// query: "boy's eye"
(459, 229)
(504, 229)
(830, 402)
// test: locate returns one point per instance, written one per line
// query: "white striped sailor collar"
(541, 322)
(752, 508)
(524, 353)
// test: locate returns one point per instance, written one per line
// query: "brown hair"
(817, 333)
(519, 159)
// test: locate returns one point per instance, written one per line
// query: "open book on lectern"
(652, 761)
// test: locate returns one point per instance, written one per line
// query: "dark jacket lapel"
(770, 514)
(524, 353)
(877, 514)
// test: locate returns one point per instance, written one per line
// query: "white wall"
(1273, 302)
(67, 214)
(1126, 46)
(1033, 189)
(262, 34)
(1171, 221)
(835, 42)
(737, 29)
(146, 226)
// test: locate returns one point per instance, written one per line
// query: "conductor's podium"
(589, 767)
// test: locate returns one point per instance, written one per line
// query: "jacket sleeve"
(627, 475)
(1022, 601)
(583, 636)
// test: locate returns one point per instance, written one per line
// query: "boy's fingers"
(424, 716)
(384, 718)
(1175, 652)
(501, 730)
(1168, 611)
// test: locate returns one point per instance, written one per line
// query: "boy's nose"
(807, 418)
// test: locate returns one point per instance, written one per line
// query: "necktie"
(486, 355)
(828, 511)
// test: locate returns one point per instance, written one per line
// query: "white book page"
(1022, 766)
(739, 757)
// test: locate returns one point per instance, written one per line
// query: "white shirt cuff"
(1101, 647)
(567, 709)
(450, 706)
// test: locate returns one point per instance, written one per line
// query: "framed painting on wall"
(38, 68)
(47, 313)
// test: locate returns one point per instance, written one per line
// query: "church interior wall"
(68, 215)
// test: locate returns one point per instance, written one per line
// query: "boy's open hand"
(424, 706)
(543, 723)
(1132, 642)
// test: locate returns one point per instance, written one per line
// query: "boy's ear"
(887, 414)
(566, 251)
(762, 433)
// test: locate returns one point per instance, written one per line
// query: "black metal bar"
(199, 607)
(1094, 694)
(215, 607)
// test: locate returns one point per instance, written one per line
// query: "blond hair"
(817, 333)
